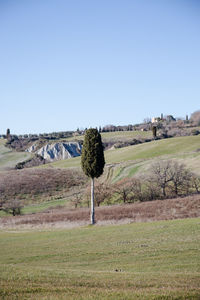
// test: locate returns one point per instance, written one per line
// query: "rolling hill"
(120, 163)
(9, 158)
(136, 159)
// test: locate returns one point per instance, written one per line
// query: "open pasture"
(9, 158)
(133, 159)
(158, 260)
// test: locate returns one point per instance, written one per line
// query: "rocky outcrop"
(58, 151)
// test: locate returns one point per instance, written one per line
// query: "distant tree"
(180, 177)
(161, 174)
(195, 117)
(195, 181)
(154, 131)
(195, 132)
(124, 189)
(130, 127)
(147, 120)
(76, 198)
(171, 176)
(152, 190)
(13, 207)
(137, 193)
(102, 192)
(8, 133)
(92, 161)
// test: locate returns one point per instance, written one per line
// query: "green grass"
(158, 260)
(118, 136)
(9, 158)
(39, 207)
(155, 149)
(181, 148)
(148, 150)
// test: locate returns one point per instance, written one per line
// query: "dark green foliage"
(195, 132)
(92, 158)
(8, 133)
(154, 131)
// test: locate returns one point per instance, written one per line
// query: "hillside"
(50, 184)
(50, 181)
(59, 215)
(9, 158)
(135, 159)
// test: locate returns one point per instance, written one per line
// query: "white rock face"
(58, 151)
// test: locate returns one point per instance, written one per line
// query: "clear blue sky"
(80, 63)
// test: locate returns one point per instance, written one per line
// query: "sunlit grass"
(185, 148)
(158, 260)
(9, 158)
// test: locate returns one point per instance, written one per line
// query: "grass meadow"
(155, 260)
(9, 158)
(127, 161)
(118, 136)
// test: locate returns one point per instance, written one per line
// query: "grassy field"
(133, 159)
(158, 260)
(118, 136)
(9, 158)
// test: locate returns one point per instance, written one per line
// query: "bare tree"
(77, 196)
(136, 189)
(124, 189)
(172, 176)
(13, 207)
(180, 177)
(161, 174)
(195, 117)
(151, 189)
(195, 182)
(102, 192)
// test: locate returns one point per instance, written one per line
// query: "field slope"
(9, 158)
(130, 160)
(158, 260)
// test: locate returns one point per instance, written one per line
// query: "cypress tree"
(8, 133)
(92, 160)
(154, 131)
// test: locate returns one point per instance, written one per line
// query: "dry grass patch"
(32, 184)
(179, 208)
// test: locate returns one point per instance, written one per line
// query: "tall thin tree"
(92, 161)
(154, 131)
(7, 133)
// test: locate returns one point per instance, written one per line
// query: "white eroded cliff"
(58, 151)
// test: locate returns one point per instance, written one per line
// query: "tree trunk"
(92, 219)
(163, 190)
